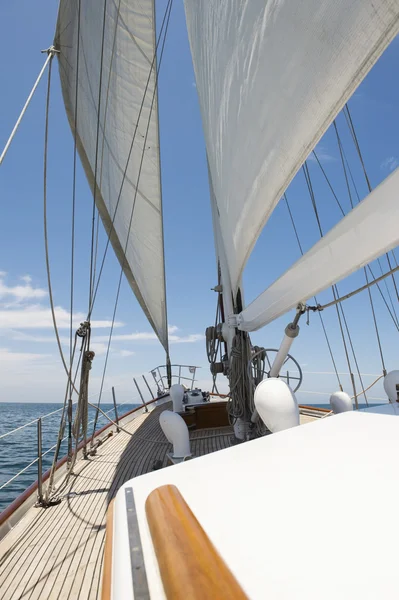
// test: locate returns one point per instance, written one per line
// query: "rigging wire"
(353, 354)
(92, 259)
(352, 130)
(104, 131)
(315, 299)
(346, 167)
(357, 291)
(368, 266)
(46, 245)
(111, 230)
(61, 428)
(74, 192)
(334, 288)
(167, 16)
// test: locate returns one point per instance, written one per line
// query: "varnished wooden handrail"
(190, 566)
(109, 538)
(316, 408)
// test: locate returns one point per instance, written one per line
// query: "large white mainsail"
(271, 76)
(128, 112)
(367, 232)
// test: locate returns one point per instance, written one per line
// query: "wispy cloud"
(20, 292)
(26, 278)
(100, 340)
(7, 356)
(322, 154)
(390, 163)
(147, 336)
(36, 316)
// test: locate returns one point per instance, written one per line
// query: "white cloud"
(188, 339)
(20, 292)
(102, 340)
(322, 155)
(7, 356)
(98, 349)
(145, 336)
(125, 353)
(35, 316)
(389, 164)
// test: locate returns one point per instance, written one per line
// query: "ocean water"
(19, 449)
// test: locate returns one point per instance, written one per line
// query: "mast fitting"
(51, 51)
(234, 321)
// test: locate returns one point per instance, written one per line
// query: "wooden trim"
(109, 538)
(17, 503)
(317, 408)
(189, 564)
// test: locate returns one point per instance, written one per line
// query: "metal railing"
(133, 399)
(161, 378)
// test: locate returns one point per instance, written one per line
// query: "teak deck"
(57, 553)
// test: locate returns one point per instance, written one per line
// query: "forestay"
(368, 231)
(128, 111)
(271, 76)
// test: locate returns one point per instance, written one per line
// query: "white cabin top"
(305, 513)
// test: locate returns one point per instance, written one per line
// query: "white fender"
(176, 392)
(391, 380)
(340, 402)
(276, 404)
(176, 431)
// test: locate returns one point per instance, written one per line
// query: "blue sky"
(30, 368)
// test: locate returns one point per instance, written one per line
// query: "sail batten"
(119, 125)
(363, 235)
(271, 76)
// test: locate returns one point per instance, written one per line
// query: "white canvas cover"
(368, 231)
(271, 76)
(128, 77)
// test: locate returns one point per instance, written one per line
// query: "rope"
(370, 386)
(133, 205)
(81, 415)
(214, 350)
(240, 400)
(61, 429)
(46, 248)
(74, 191)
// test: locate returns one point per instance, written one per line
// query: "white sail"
(127, 107)
(271, 76)
(368, 231)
